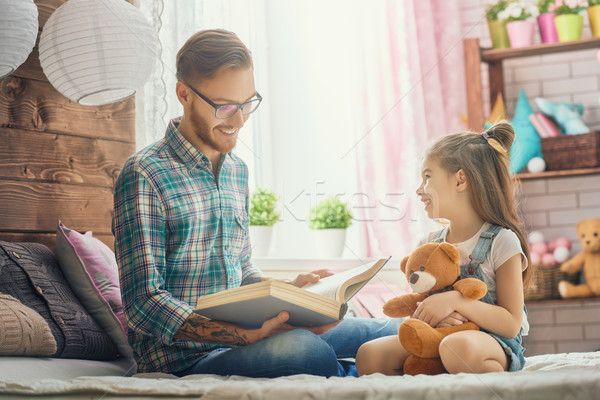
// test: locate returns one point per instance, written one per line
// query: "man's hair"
(208, 52)
(493, 190)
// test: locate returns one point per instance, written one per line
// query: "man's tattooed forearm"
(201, 329)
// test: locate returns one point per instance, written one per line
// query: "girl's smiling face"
(437, 190)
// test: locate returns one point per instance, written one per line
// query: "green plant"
(518, 10)
(543, 5)
(262, 207)
(492, 10)
(330, 213)
(593, 3)
(561, 7)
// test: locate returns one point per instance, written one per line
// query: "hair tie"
(494, 143)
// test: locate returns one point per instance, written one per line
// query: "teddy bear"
(588, 232)
(566, 115)
(431, 268)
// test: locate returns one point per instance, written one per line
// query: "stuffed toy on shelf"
(431, 268)
(588, 261)
(566, 115)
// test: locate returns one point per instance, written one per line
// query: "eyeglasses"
(224, 111)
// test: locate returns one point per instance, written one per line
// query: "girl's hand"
(436, 308)
(453, 319)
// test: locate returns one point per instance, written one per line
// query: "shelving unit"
(475, 55)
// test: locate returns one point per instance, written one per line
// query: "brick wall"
(562, 326)
(554, 205)
(566, 77)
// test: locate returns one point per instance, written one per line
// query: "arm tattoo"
(201, 329)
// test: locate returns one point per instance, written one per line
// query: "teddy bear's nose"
(588, 242)
(414, 278)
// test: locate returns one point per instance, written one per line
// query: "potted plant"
(497, 29)
(593, 12)
(568, 21)
(330, 218)
(546, 22)
(519, 17)
(263, 215)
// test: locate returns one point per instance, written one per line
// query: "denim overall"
(512, 347)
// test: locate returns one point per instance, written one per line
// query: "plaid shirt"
(180, 233)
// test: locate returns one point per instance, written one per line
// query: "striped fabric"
(180, 233)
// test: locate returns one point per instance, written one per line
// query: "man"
(181, 231)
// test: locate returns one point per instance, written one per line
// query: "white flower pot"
(330, 242)
(260, 240)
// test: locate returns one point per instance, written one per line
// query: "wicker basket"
(572, 151)
(544, 283)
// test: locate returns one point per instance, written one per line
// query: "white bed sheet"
(553, 376)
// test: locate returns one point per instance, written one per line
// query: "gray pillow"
(29, 272)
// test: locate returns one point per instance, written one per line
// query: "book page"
(343, 285)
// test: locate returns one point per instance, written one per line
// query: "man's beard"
(204, 133)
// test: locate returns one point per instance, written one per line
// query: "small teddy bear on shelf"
(430, 269)
(588, 260)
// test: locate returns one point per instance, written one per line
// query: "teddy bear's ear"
(403, 264)
(451, 251)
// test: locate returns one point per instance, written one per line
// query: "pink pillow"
(92, 272)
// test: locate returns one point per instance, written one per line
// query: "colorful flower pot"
(594, 17)
(569, 27)
(520, 33)
(547, 28)
(498, 35)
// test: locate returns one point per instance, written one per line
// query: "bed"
(43, 281)
(552, 376)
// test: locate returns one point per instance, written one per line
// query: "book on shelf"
(544, 125)
(321, 303)
(549, 125)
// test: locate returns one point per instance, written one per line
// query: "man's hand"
(201, 329)
(311, 277)
(278, 325)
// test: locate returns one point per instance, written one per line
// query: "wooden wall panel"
(58, 160)
(48, 239)
(26, 206)
(51, 157)
(35, 105)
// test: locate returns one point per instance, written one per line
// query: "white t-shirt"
(505, 245)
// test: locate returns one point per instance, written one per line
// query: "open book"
(317, 304)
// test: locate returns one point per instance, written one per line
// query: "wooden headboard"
(58, 159)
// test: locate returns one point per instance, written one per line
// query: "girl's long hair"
(485, 162)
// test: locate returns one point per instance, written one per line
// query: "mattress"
(552, 376)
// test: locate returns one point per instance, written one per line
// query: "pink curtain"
(414, 90)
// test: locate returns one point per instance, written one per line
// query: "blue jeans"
(297, 352)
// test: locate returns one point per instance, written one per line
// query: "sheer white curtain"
(175, 22)
(353, 90)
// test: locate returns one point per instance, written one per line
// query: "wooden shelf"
(475, 55)
(581, 300)
(491, 55)
(555, 174)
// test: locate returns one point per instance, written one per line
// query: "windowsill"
(309, 264)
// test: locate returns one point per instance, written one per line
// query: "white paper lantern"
(18, 32)
(97, 51)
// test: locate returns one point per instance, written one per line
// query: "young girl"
(466, 181)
